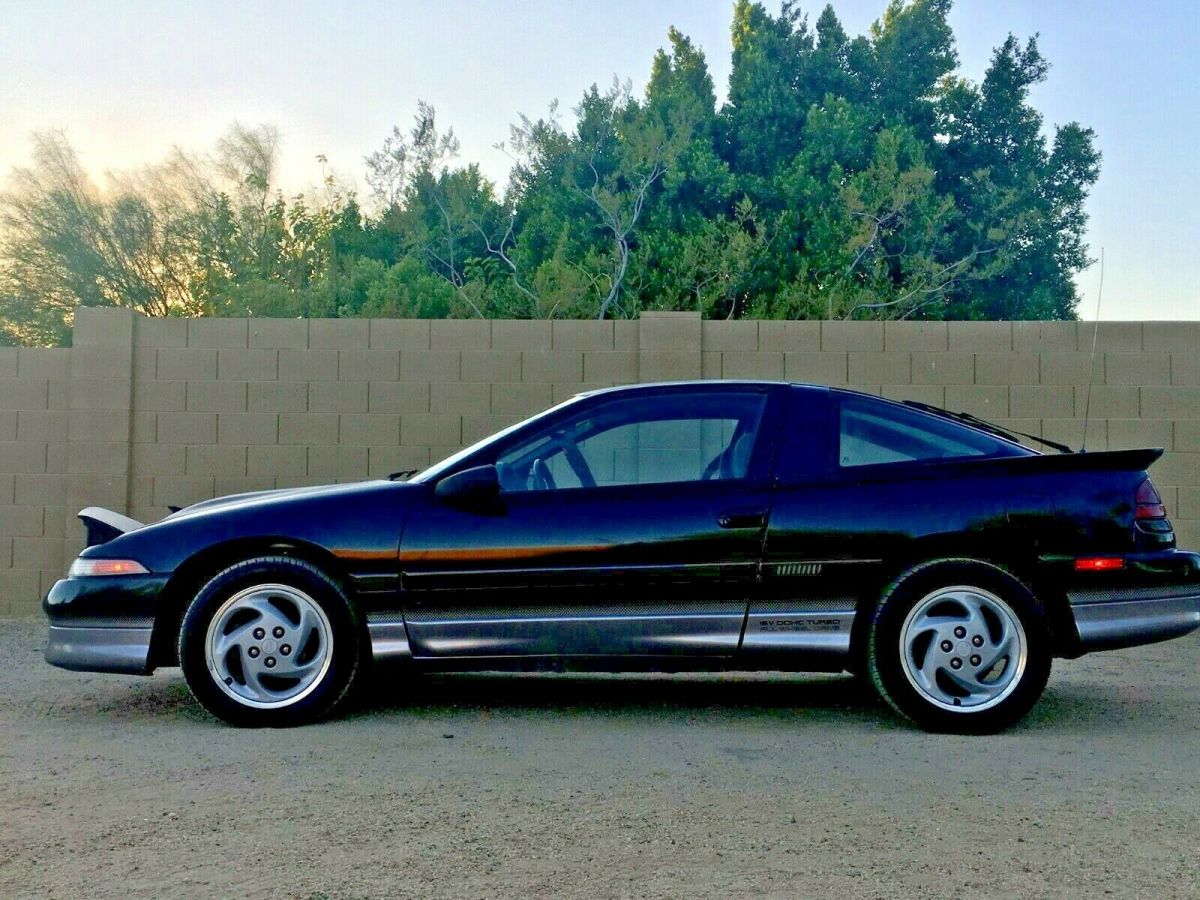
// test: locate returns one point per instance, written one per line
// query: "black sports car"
(728, 525)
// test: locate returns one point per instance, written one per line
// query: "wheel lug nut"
(960, 632)
(259, 634)
(269, 662)
(285, 649)
(975, 659)
(955, 663)
(252, 653)
(946, 646)
(277, 631)
(977, 640)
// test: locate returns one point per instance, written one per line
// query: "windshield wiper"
(985, 425)
(403, 475)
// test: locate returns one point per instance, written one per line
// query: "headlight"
(88, 568)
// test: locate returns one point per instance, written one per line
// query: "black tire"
(889, 670)
(340, 632)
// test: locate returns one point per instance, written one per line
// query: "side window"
(668, 438)
(872, 432)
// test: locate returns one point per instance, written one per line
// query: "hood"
(282, 496)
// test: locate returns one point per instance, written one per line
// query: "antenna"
(1087, 404)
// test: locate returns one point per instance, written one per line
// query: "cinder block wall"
(146, 413)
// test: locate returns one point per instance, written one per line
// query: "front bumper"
(102, 624)
(1140, 610)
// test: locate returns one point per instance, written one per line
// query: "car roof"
(694, 383)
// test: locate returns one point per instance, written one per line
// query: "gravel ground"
(598, 786)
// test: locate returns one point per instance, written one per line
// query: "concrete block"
(582, 334)
(56, 457)
(555, 365)
(337, 396)
(417, 429)
(98, 458)
(921, 393)
(20, 591)
(1187, 533)
(101, 393)
(734, 335)
(16, 393)
(1187, 506)
(1130, 434)
(1044, 337)
(1177, 469)
(616, 366)
(626, 334)
(247, 365)
(308, 365)
(8, 424)
(1070, 432)
(710, 364)
(157, 459)
(145, 363)
(521, 334)
(160, 332)
(218, 333)
(476, 428)
(661, 365)
(522, 399)
(758, 364)
(107, 425)
(247, 428)
(927, 336)
(670, 331)
(22, 457)
(35, 490)
(337, 462)
(461, 398)
(279, 334)
(1041, 401)
(22, 521)
(943, 368)
(1136, 368)
(460, 334)
(491, 365)
(38, 553)
(45, 425)
(861, 337)
(1187, 435)
(880, 368)
(101, 325)
(430, 365)
(159, 396)
(215, 459)
(382, 461)
(182, 490)
(241, 484)
(186, 365)
(1070, 368)
(399, 334)
(368, 365)
(216, 396)
(1107, 401)
(283, 463)
(37, 363)
(277, 396)
(339, 334)
(789, 336)
(987, 401)
(398, 397)
(565, 391)
(369, 429)
(58, 394)
(980, 337)
(1185, 368)
(97, 361)
(1170, 402)
(308, 428)
(1171, 337)
(1111, 337)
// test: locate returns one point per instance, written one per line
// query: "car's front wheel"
(271, 641)
(959, 646)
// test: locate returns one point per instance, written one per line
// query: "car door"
(631, 525)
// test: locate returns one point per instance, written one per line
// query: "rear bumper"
(102, 624)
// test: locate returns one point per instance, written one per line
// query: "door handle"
(739, 519)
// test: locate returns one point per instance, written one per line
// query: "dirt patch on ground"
(598, 786)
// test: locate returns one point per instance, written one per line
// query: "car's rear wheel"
(271, 641)
(959, 646)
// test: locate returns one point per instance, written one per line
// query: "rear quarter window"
(873, 432)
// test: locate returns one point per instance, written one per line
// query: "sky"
(128, 80)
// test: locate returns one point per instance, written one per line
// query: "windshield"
(439, 468)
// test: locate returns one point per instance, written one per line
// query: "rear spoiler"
(1103, 461)
(103, 524)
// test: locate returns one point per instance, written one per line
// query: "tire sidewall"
(345, 650)
(884, 652)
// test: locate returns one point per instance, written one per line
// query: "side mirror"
(470, 487)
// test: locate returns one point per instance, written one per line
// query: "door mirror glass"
(470, 487)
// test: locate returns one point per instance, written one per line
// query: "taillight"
(1147, 504)
(1099, 564)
